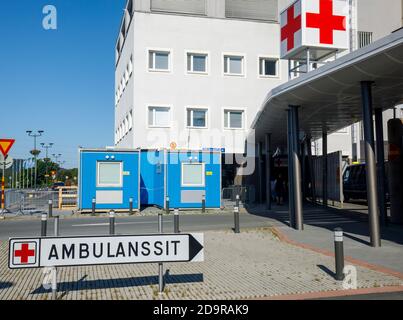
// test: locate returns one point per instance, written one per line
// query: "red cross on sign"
(293, 26)
(326, 22)
(24, 253)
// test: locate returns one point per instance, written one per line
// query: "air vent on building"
(252, 9)
(180, 6)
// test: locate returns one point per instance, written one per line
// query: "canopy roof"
(330, 96)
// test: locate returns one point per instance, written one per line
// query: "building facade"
(191, 74)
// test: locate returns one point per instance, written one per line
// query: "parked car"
(355, 182)
(56, 185)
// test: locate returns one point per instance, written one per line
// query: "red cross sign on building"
(316, 24)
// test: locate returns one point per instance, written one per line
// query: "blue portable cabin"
(152, 178)
(184, 177)
(111, 177)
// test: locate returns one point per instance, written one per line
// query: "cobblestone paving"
(253, 264)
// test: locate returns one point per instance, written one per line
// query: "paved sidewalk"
(253, 264)
(319, 225)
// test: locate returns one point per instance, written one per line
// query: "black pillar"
(296, 160)
(372, 196)
(291, 208)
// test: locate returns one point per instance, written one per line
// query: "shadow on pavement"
(353, 222)
(327, 270)
(5, 285)
(121, 282)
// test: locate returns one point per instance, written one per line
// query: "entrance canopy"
(330, 96)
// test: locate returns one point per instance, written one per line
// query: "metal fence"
(246, 193)
(334, 176)
(30, 201)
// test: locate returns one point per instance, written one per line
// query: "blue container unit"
(111, 177)
(185, 177)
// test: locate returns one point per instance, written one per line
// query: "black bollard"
(111, 222)
(339, 253)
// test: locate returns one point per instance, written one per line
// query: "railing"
(246, 194)
(28, 201)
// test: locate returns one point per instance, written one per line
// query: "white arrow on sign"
(102, 250)
(8, 162)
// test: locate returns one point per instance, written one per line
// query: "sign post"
(5, 146)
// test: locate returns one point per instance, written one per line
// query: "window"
(193, 174)
(233, 119)
(196, 118)
(158, 60)
(130, 120)
(126, 125)
(131, 65)
(233, 65)
(268, 67)
(159, 116)
(109, 174)
(197, 62)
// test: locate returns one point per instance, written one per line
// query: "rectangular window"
(233, 119)
(268, 67)
(233, 65)
(197, 118)
(130, 120)
(197, 62)
(158, 60)
(159, 116)
(109, 174)
(193, 174)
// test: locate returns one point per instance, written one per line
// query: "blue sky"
(60, 81)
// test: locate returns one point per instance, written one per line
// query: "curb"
(335, 294)
(284, 238)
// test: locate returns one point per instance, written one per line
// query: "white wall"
(178, 89)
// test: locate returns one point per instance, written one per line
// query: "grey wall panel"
(252, 9)
(192, 196)
(180, 6)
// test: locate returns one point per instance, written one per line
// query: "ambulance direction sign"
(103, 250)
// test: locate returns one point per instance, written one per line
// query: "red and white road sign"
(5, 146)
(24, 253)
(103, 250)
(322, 24)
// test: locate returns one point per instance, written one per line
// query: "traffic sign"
(104, 250)
(5, 146)
(6, 162)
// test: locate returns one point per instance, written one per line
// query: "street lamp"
(35, 152)
(46, 147)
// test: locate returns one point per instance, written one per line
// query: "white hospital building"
(192, 74)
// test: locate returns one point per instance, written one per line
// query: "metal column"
(268, 170)
(380, 155)
(296, 163)
(291, 208)
(324, 167)
(366, 93)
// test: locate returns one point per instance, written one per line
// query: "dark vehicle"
(56, 185)
(355, 182)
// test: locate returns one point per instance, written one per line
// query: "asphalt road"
(129, 225)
